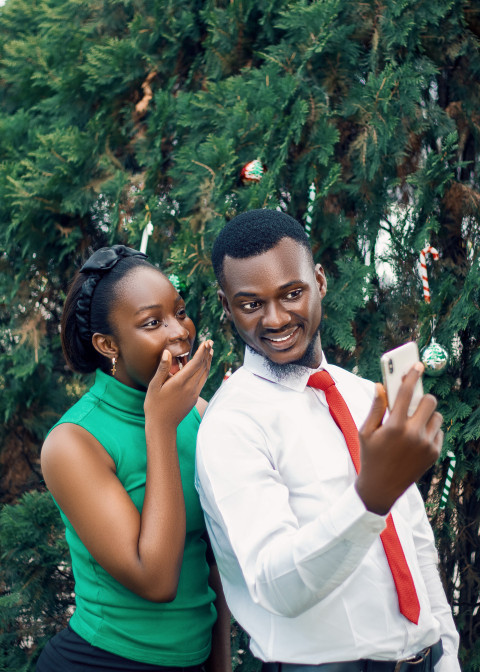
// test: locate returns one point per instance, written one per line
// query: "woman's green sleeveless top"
(107, 614)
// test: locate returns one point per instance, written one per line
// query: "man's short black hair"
(252, 233)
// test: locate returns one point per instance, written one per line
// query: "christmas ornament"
(423, 265)
(252, 171)
(434, 358)
(175, 280)
(448, 480)
(308, 219)
(147, 231)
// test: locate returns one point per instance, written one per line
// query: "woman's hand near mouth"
(178, 362)
(171, 397)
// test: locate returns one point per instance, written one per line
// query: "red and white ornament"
(252, 171)
(435, 359)
(423, 266)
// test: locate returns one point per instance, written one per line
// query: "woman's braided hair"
(89, 302)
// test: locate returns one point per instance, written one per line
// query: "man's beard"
(308, 359)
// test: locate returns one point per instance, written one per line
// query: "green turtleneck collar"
(114, 393)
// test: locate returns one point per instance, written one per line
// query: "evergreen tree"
(115, 115)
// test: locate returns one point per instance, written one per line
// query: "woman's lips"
(178, 362)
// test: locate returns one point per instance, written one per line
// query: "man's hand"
(394, 455)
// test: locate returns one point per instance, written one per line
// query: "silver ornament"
(434, 358)
(175, 280)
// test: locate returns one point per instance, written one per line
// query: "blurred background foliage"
(119, 114)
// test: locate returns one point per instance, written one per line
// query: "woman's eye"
(153, 323)
(182, 314)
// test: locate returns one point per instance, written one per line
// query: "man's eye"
(295, 294)
(251, 305)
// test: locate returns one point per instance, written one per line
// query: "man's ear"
(321, 279)
(224, 302)
(105, 344)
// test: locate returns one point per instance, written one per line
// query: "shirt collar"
(297, 380)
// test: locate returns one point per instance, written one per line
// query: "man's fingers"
(425, 409)
(438, 441)
(405, 393)
(434, 424)
(377, 411)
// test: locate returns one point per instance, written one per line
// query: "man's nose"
(275, 316)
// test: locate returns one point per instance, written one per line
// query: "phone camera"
(390, 365)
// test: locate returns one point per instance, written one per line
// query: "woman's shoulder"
(71, 433)
(68, 446)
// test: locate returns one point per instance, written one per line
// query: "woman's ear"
(105, 344)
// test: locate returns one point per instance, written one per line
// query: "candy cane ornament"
(423, 266)
(435, 359)
(448, 479)
(308, 218)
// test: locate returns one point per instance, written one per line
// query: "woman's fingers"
(163, 369)
(196, 371)
(200, 362)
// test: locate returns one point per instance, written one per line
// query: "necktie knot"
(321, 380)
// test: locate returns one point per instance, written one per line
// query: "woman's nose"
(177, 331)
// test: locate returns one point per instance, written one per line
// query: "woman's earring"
(114, 368)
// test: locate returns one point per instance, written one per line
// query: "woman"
(120, 466)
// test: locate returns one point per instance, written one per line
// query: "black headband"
(105, 258)
(96, 266)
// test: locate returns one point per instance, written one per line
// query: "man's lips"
(283, 340)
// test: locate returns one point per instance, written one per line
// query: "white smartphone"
(395, 365)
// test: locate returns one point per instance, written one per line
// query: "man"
(295, 530)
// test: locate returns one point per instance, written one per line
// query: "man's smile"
(284, 341)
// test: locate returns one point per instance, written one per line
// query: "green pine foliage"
(117, 114)
(36, 583)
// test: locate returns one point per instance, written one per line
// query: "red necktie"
(407, 595)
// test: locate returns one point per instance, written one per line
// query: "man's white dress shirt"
(302, 564)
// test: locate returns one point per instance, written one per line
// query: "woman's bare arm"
(142, 551)
(220, 659)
